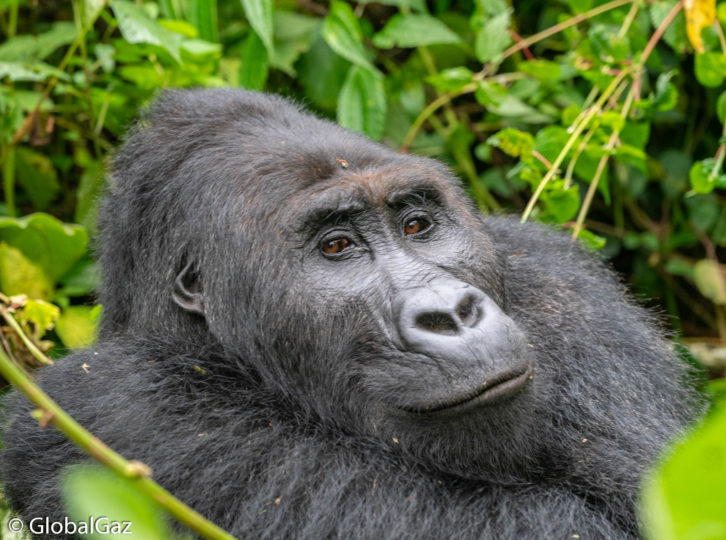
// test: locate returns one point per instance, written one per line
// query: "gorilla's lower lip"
(503, 386)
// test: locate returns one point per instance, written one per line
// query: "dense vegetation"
(607, 119)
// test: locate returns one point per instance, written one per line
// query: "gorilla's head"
(358, 285)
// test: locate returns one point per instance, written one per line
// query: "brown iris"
(415, 225)
(336, 245)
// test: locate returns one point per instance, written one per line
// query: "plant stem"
(8, 161)
(35, 351)
(137, 472)
(576, 131)
(557, 28)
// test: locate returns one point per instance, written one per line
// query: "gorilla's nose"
(441, 314)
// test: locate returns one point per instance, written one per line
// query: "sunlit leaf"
(362, 104)
(259, 15)
(342, 32)
(414, 31)
(137, 27)
(700, 14)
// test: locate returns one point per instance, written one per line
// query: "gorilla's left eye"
(334, 246)
(416, 225)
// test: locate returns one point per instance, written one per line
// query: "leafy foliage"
(607, 119)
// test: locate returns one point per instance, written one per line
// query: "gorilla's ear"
(188, 290)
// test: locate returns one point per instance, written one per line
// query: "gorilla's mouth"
(499, 388)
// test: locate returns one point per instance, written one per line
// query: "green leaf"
(710, 68)
(451, 80)
(710, 278)
(36, 174)
(544, 70)
(414, 31)
(200, 51)
(32, 72)
(342, 33)
(322, 74)
(259, 15)
(254, 67)
(89, 490)
(362, 102)
(666, 94)
(41, 316)
(493, 38)
(205, 18)
(703, 179)
(513, 107)
(418, 5)
(45, 241)
(513, 142)
(77, 326)
(684, 498)
(590, 240)
(26, 48)
(19, 275)
(137, 27)
(560, 203)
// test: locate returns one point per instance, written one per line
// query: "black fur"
(278, 411)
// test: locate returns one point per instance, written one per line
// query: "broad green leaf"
(544, 70)
(254, 68)
(82, 279)
(703, 179)
(32, 72)
(45, 241)
(180, 27)
(259, 15)
(89, 490)
(342, 32)
(294, 34)
(200, 51)
(418, 5)
(322, 74)
(684, 498)
(711, 68)
(26, 48)
(490, 94)
(414, 31)
(204, 16)
(666, 94)
(87, 195)
(493, 38)
(137, 27)
(451, 80)
(560, 203)
(77, 326)
(19, 275)
(91, 10)
(513, 107)
(590, 240)
(362, 103)
(513, 142)
(36, 174)
(40, 315)
(710, 278)
(703, 210)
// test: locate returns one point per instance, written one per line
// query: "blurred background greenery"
(605, 119)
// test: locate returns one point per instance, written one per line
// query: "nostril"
(438, 323)
(468, 311)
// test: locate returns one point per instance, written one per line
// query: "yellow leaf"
(699, 15)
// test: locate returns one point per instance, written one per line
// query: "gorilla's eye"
(416, 225)
(336, 245)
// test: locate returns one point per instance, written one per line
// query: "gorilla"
(308, 335)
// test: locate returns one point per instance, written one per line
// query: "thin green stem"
(577, 129)
(34, 350)
(589, 196)
(135, 471)
(557, 28)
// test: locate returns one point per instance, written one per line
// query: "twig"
(35, 351)
(135, 471)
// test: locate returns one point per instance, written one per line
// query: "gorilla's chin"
(498, 388)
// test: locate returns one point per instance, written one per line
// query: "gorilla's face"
(401, 298)
(374, 299)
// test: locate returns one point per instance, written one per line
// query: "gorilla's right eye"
(335, 246)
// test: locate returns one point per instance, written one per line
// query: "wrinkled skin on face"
(308, 335)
